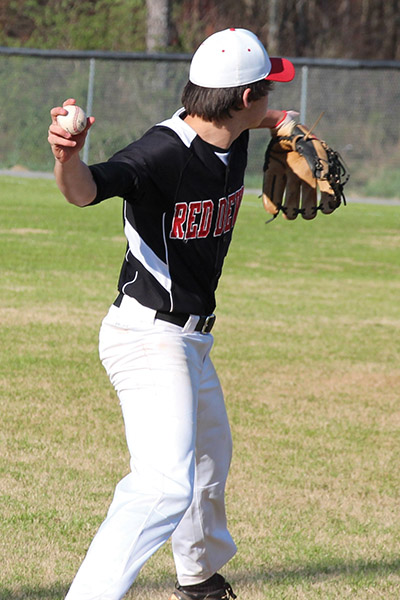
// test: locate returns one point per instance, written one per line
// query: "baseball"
(75, 121)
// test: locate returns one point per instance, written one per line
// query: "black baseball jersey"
(180, 206)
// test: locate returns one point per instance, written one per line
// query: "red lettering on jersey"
(191, 227)
(187, 224)
(222, 212)
(177, 231)
(206, 217)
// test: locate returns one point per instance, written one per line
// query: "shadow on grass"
(24, 592)
(321, 570)
(58, 591)
(318, 571)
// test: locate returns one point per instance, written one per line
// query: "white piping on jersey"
(181, 128)
(145, 255)
(166, 258)
(224, 156)
(133, 280)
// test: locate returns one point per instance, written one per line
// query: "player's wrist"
(281, 120)
(286, 124)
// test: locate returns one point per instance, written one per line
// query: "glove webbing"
(338, 175)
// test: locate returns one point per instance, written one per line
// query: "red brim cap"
(281, 69)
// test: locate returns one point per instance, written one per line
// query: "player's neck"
(218, 134)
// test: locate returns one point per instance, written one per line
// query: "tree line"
(363, 29)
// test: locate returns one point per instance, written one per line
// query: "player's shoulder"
(169, 140)
(177, 128)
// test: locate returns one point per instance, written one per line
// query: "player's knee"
(180, 495)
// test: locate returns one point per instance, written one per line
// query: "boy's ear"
(246, 98)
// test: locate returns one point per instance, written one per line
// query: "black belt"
(204, 325)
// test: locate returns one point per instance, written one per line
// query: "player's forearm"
(75, 181)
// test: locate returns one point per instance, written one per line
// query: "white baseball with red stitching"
(75, 121)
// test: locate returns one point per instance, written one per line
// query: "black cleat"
(222, 592)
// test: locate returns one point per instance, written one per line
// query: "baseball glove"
(297, 164)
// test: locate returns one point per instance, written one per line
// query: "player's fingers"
(58, 136)
(56, 131)
(57, 110)
(79, 138)
(69, 101)
(89, 122)
(60, 110)
(55, 142)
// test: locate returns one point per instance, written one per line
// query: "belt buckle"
(208, 324)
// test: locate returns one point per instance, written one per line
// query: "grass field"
(307, 345)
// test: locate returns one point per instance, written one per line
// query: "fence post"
(89, 107)
(303, 99)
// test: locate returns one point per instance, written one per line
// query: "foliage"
(289, 27)
(75, 24)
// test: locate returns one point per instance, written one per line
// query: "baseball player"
(182, 186)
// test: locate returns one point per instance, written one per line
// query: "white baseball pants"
(180, 446)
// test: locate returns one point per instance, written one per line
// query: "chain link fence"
(128, 93)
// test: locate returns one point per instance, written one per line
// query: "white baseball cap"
(234, 57)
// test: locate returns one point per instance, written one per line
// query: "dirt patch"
(26, 231)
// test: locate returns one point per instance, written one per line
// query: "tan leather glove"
(299, 167)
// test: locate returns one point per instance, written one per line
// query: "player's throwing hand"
(63, 144)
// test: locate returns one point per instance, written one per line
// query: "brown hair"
(216, 104)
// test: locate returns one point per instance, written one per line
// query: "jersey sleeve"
(146, 167)
(114, 178)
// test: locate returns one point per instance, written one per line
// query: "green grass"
(307, 348)
(384, 184)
